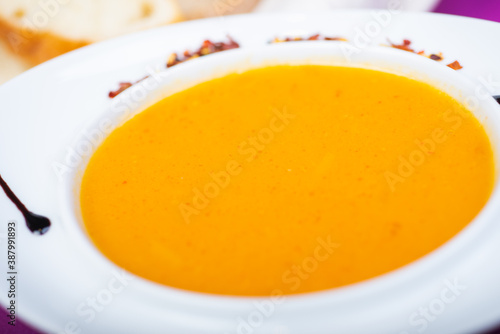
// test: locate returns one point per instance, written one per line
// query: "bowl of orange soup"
(305, 172)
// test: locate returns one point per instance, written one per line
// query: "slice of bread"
(195, 9)
(10, 64)
(38, 30)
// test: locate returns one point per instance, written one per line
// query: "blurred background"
(34, 31)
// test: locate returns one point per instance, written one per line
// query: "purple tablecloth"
(484, 9)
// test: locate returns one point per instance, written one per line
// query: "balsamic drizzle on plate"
(35, 223)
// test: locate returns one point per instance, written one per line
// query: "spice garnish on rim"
(406, 46)
(316, 37)
(208, 47)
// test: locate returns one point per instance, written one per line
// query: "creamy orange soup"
(285, 180)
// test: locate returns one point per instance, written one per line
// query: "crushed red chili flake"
(455, 65)
(436, 57)
(124, 86)
(316, 37)
(406, 46)
(208, 47)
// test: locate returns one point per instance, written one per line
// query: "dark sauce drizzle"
(36, 224)
(497, 97)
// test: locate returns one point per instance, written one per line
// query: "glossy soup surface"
(285, 180)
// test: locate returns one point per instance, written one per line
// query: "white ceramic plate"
(301, 5)
(44, 111)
